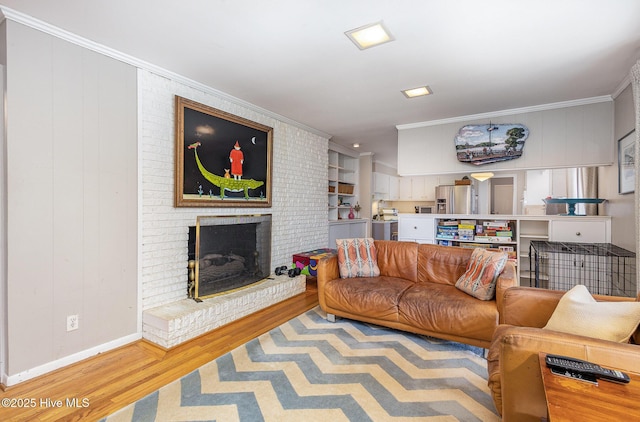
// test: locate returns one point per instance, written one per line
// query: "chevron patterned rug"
(309, 369)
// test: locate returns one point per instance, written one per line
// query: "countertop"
(504, 217)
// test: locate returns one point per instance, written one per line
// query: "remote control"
(565, 363)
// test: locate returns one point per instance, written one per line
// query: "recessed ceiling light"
(417, 92)
(370, 35)
(356, 145)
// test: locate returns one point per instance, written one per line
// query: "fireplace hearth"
(228, 253)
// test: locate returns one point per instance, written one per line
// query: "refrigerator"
(458, 199)
(463, 199)
(444, 199)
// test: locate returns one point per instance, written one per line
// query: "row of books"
(497, 231)
(510, 250)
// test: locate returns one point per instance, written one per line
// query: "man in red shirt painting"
(236, 157)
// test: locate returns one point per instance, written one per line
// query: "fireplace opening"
(228, 253)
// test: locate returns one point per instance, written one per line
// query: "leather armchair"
(513, 364)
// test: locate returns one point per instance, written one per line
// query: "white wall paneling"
(71, 199)
(569, 136)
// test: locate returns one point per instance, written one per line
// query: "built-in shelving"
(342, 195)
(479, 233)
(342, 186)
(530, 230)
(426, 228)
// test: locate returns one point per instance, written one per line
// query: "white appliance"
(425, 209)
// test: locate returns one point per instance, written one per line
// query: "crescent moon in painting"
(253, 140)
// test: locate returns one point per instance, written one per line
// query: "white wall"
(71, 193)
(575, 136)
(620, 207)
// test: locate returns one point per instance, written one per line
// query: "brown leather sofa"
(415, 292)
(513, 363)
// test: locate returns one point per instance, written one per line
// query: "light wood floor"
(114, 379)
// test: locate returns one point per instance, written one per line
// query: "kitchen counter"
(505, 217)
(384, 230)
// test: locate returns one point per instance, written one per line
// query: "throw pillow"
(357, 258)
(483, 269)
(579, 313)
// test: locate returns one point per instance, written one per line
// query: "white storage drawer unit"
(584, 231)
(416, 229)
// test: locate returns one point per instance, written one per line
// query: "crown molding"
(623, 85)
(47, 28)
(510, 112)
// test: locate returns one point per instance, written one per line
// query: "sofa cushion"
(579, 313)
(441, 308)
(398, 259)
(357, 258)
(442, 264)
(370, 297)
(483, 269)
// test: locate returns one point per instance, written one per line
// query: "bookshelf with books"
(478, 233)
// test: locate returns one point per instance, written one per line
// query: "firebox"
(228, 253)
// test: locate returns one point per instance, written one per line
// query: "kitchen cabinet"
(429, 188)
(405, 188)
(381, 185)
(417, 189)
(394, 188)
(416, 228)
(583, 230)
(385, 186)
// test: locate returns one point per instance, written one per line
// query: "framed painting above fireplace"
(221, 160)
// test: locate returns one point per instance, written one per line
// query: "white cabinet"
(381, 185)
(405, 188)
(417, 189)
(584, 230)
(348, 229)
(394, 188)
(385, 186)
(430, 184)
(416, 228)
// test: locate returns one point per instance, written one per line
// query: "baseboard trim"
(11, 380)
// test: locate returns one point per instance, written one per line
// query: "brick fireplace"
(299, 216)
(229, 278)
(177, 322)
(229, 253)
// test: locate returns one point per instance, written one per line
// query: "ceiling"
(291, 57)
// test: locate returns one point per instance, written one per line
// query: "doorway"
(502, 195)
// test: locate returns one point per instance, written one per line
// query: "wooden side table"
(573, 400)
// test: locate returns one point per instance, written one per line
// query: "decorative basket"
(346, 189)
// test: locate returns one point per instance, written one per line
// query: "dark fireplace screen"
(229, 253)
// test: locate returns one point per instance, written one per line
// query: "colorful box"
(309, 260)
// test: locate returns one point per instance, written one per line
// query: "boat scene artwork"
(489, 143)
